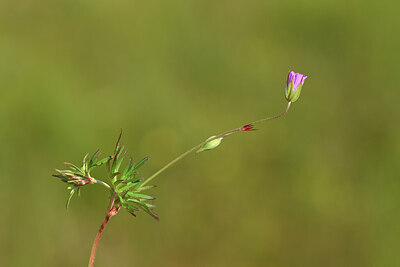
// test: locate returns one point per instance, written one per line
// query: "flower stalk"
(127, 189)
(247, 127)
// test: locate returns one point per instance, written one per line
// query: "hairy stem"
(207, 141)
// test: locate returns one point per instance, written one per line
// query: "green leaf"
(135, 187)
(127, 168)
(134, 180)
(113, 177)
(121, 183)
(150, 206)
(147, 187)
(85, 163)
(115, 157)
(102, 162)
(150, 212)
(119, 161)
(134, 200)
(140, 163)
(132, 171)
(138, 195)
(93, 159)
(63, 172)
(143, 207)
(71, 194)
(118, 143)
(73, 167)
(131, 207)
(120, 188)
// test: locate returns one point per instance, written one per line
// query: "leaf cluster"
(127, 186)
(76, 177)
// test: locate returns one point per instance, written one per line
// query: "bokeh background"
(319, 187)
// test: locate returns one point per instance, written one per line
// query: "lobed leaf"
(71, 194)
(127, 168)
(119, 160)
(73, 167)
(126, 187)
(140, 196)
(93, 159)
(143, 188)
(140, 163)
(102, 161)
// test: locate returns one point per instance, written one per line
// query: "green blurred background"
(319, 187)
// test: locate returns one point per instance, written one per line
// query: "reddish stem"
(96, 241)
(112, 210)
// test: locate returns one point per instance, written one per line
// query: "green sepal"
(289, 91)
(210, 145)
(296, 94)
(293, 96)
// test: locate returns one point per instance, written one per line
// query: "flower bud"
(293, 86)
(74, 178)
(210, 145)
(248, 127)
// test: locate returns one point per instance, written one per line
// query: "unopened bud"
(294, 83)
(74, 178)
(248, 127)
(210, 145)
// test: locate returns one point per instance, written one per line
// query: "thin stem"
(102, 226)
(104, 184)
(274, 117)
(96, 241)
(187, 153)
(207, 141)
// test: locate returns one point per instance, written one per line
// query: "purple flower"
(294, 84)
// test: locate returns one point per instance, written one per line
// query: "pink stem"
(96, 241)
(112, 210)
